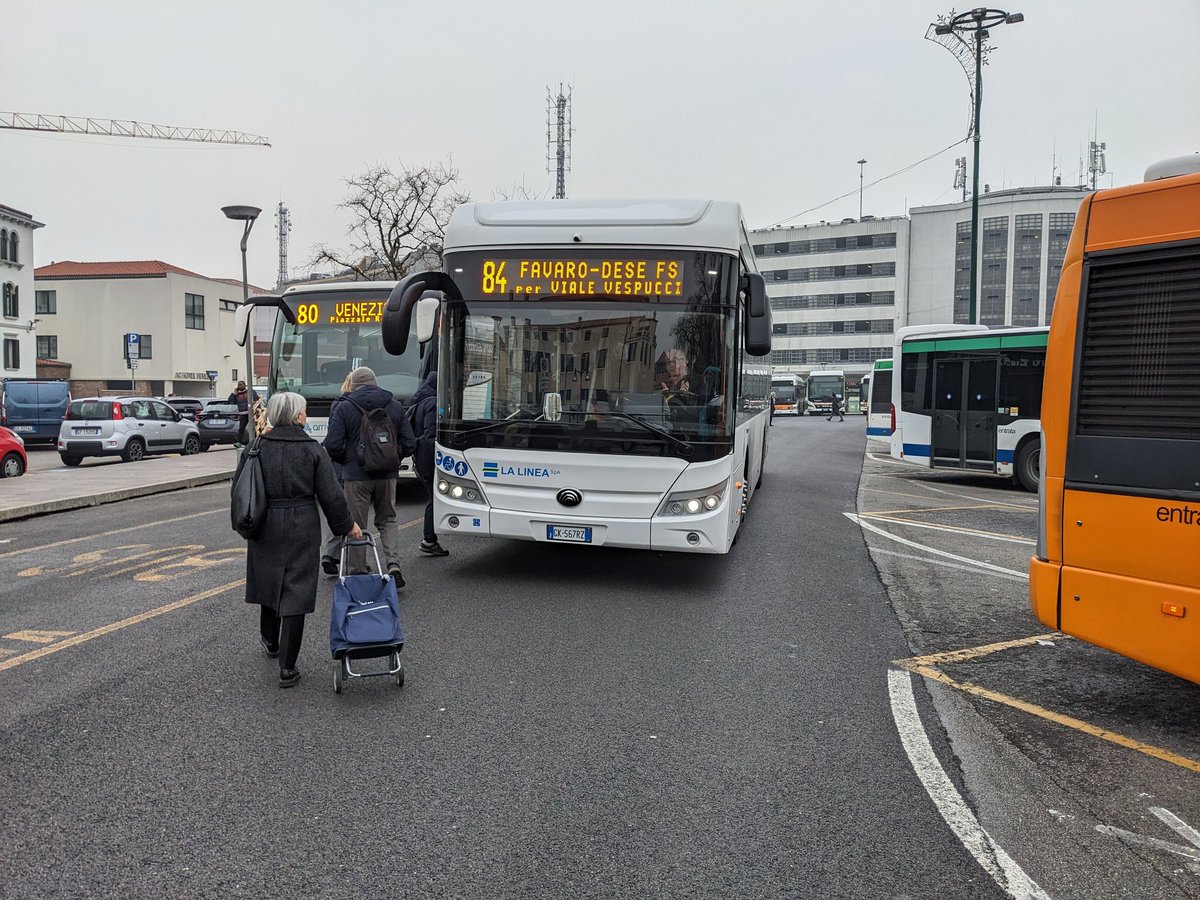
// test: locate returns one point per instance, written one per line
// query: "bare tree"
(520, 192)
(400, 221)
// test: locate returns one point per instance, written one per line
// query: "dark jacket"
(425, 415)
(344, 420)
(243, 399)
(283, 561)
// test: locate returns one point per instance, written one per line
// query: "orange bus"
(1118, 553)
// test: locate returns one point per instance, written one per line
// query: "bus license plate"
(573, 533)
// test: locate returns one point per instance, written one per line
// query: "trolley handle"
(365, 541)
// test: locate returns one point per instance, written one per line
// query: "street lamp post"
(861, 163)
(978, 21)
(246, 214)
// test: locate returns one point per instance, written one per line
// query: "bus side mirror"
(398, 311)
(427, 308)
(241, 324)
(757, 334)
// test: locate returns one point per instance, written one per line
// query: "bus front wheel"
(1027, 467)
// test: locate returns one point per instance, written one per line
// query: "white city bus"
(822, 385)
(323, 331)
(791, 394)
(599, 379)
(970, 397)
(879, 401)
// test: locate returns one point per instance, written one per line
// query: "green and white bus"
(878, 405)
(970, 397)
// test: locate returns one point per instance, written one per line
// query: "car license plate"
(22, 428)
(576, 534)
(218, 421)
(87, 430)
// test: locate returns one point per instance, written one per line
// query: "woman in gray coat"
(282, 560)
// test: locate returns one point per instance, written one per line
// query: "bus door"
(964, 414)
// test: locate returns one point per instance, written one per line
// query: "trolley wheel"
(400, 674)
(339, 673)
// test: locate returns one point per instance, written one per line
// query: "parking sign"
(133, 345)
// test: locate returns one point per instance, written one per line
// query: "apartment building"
(18, 318)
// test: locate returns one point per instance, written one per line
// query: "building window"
(145, 346)
(12, 306)
(47, 346)
(45, 303)
(230, 305)
(12, 353)
(3, 244)
(12, 247)
(1059, 236)
(193, 311)
(993, 282)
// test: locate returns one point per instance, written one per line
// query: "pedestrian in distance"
(425, 428)
(837, 409)
(369, 433)
(244, 398)
(281, 559)
(771, 408)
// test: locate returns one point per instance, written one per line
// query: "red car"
(13, 461)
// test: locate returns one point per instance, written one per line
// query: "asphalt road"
(574, 722)
(1081, 763)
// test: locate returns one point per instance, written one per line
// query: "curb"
(82, 502)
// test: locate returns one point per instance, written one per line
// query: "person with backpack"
(369, 433)
(837, 408)
(424, 422)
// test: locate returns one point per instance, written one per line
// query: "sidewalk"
(49, 486)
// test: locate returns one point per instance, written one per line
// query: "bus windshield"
(823, 387)
(579, 371)
(334, 333)
(784, 393)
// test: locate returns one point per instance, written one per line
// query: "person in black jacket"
(837, 407)
(281, 560)
(425, 422)
(366, 490)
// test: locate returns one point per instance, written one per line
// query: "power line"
(891, 175)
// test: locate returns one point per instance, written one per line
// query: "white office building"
(18, 321)
(1023, 236)
(839, 290)
(184, 322)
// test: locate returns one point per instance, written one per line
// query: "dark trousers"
(285, 632)
(425, 474)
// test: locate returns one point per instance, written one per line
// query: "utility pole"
(861, 163)
(283, 227)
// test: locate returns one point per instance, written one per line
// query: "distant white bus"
(970, 397)
(878, 406)
(791, 394)
(822, 385)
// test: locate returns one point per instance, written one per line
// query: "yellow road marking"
(5, 651)
(107, 533)
(925, 667)
(38, 637)
(953, 656)
(117, 626)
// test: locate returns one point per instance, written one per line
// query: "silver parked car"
(128, 427)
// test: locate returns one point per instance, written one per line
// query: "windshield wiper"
(684, 447)
(459, 438)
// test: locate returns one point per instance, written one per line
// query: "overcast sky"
(768, 102)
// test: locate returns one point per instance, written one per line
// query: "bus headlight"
(690, 503)
(461, 489)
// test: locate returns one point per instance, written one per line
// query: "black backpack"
(378, 450)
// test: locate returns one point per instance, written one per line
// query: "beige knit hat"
(362, 376)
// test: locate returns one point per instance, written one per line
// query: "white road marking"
(949, 565)
(1008, 539)
(1031, 505)
(1176, 824)
(991, 856)
(906, 542)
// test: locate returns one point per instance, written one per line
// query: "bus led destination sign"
(340, 312)
(616, 277)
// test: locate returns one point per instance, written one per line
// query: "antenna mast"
(283, 227)
(558, 137)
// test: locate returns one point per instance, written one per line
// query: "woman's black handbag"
(248, 505)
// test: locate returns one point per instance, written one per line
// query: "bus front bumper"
(703, 533)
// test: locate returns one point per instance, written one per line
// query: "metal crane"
(126, 128)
